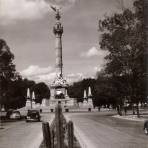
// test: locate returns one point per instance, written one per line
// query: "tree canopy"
(7, 69)
(13, 88)
(76, 90)
(41, 91)
(123, 35)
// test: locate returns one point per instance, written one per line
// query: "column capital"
(58, 29)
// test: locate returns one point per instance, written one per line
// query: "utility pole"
(146, 31)
(1, 74)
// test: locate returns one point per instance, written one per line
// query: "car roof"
(14, 111)
(33, 110)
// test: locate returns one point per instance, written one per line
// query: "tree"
(124, 37)
(41, 91)
(104, 91)
(76, 90)
(13, 89)
(6, 61)
(12, 86)
(7, 69)
(15, 95)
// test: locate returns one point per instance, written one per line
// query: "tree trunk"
(119, 111)
(133, 108)
(137, 108)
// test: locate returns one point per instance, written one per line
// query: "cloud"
(63, 2)
(47, 74)
(47, 78)
(12, 10)
(74, 77)
(122, 4)
(34, 70)
(39, 74)
(93, 52)
(97, 68)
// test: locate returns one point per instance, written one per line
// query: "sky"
(27, 27)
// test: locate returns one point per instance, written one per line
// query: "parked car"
(33, 115)
(9, 112)
(15, 115)
(145, 128)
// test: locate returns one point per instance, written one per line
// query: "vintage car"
(33, 115)
(13, 114)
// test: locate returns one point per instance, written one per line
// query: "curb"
(130, 117)
(82, 139)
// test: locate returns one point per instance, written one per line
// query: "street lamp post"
(0, 105)
(0, 97)
(33, 98)
(31, 101)
(1, 75)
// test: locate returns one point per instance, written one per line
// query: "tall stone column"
(58, 31)
(59, 85)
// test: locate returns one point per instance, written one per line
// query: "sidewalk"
(130, 116)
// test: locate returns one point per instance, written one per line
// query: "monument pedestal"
(88, 104)
(28, 103)
(33, 104)
(45, 102)
(58, 90)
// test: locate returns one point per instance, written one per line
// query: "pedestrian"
(125, 110)
(146, 127)
(118, 109)
(99, 108)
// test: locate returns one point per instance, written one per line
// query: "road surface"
(96, 130)
(21, 134)
(101, 130)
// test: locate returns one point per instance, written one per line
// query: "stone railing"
(60, 133)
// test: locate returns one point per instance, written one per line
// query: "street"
(95, 130)
(20, 134)
(100, 130)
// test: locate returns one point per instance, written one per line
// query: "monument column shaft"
(58, 48)
(59, 84)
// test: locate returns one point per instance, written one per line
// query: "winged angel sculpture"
(54, 8)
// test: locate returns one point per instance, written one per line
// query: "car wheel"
(66, 110)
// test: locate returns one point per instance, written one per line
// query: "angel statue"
(57, 11)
